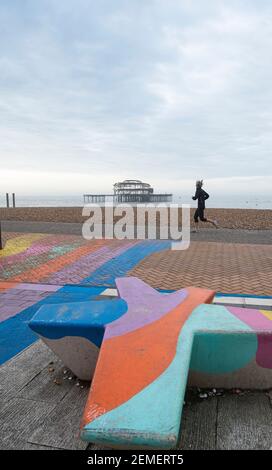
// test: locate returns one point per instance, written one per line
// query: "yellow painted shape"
(17, 245)
(267, 313)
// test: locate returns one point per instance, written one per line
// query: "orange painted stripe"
(6, 285)
(129, 363)
(51, 266)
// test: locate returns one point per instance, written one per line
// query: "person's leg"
(196, 215)
(204, 219)
(213, 222)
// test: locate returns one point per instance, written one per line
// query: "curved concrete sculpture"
(137, 393)
(149, 343)
(74, 331)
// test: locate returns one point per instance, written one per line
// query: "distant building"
(132, 191)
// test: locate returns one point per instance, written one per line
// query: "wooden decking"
(41, 405)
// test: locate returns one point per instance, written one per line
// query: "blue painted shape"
(85, 319)
(15, 334)
(250, 296)
(122, 264)
(137, 422)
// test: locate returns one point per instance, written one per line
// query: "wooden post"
(1, 244)
(7, 199)
(13, 200)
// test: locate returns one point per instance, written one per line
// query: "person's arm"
(196, 196)
(206, 195)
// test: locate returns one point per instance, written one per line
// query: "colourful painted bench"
(136, 397)
(150, 342)
(74, 331)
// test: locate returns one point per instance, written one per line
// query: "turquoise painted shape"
(151, 418)
(220, 344)
(219, 353)
(84, 319)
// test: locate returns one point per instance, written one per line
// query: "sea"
(233, 202)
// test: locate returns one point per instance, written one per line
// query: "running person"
(201, 196)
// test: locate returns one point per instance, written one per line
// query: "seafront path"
(51, 263)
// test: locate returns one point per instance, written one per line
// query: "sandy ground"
(250, 219)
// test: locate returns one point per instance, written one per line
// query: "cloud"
(163, 91)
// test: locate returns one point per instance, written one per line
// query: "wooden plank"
(29, 446)
(43, 388)
(33, 358)
(198, 427)
(244, 422)
(24, 415)
(21, 369)
(10, 439)
(61, 428)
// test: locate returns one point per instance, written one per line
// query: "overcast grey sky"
(92, 92)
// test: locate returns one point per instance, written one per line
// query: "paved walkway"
(69, 259)
(224, 267)
(205, 234)
(52, 268)
(41, 404)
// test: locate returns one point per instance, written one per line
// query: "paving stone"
(224, 267)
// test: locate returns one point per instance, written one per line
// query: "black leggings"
(199, 214)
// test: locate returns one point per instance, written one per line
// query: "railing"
(130, 198)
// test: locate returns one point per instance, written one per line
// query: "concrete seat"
(136, 396)
(137, 393)
(75, 330)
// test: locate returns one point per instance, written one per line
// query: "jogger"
(201, 196)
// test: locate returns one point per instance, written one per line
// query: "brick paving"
(225, 267)
(68, 259)
(28, 386)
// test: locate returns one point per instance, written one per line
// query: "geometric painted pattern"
(67, 259)
(37, 269)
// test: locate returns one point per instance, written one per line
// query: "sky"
(166, 91)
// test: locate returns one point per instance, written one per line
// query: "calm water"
(259, 202)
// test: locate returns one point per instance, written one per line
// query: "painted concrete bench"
(137, 393)
(74, 331)
(149, 341)
(136, 396)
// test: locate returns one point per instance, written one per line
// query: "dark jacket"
(201, 197)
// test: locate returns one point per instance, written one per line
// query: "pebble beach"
(249, 219)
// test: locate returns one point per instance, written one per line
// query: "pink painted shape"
(145, 305)
(87, 264)
(38, 247)
(12, 303)
(39, 287)
(253, 318)
(259, 323)
(264, 351)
